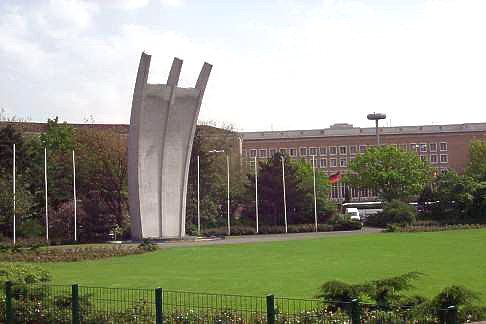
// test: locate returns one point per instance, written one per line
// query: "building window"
(303, 151)
(423, 158)
(313, 151)
(433, 147)
(423, 147)
(342, 150)
(333, 163)
(403, 147)
(253, 153)
(271, 152)
(443, 171)
(293, 152)
(353, 149)
(262, 153)
(414, 147)
(284, 151)
(323, 163)
(443, 146)
(362, 148)
(323, 150)
(332, 150)
(433, 158)
(444, 158)
(343, 163)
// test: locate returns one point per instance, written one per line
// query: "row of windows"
(343, 162)
(343, 150)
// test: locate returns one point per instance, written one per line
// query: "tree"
(298, 187)
(101, 178)
(451, 197)
(213, 175)
(396, 174)
(477, 157)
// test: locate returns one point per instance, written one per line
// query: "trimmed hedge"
(238, 230)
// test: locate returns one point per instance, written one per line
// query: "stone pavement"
(267, 238)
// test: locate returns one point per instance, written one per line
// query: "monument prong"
(203, 78)
(162, 126)
(175, 72)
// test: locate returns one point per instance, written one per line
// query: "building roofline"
(368, 131)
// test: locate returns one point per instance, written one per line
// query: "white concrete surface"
(162, 126)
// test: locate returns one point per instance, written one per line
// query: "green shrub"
(394, 212)
(148, 246)
(22, 274)
(454, 296)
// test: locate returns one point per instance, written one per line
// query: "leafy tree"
(298, 187)
(213, 176)
(477, 164)
(101, 181)
(396, 174)
(451, 198)
(23, 206)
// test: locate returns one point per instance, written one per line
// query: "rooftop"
(348, 130)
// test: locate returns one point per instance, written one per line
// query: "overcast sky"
(276, 64)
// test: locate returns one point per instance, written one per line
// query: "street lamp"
(228, 183)
(376, 117)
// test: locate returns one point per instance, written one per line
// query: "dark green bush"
(344, 225)
(394, 212)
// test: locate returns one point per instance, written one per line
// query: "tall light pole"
(228, 185)
(376, 117)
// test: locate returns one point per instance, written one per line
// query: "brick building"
(443, 146)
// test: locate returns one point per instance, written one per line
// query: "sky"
(277, 65)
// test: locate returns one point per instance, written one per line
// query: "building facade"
(445, 147)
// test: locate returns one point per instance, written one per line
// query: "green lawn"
(295, 268)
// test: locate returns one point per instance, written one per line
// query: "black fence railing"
(59, 304)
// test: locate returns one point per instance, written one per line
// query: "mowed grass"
(295, 268)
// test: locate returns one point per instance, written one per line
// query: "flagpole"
(256, 193)
(74, 194)
(45, 189)
(14, 198)
(198, 201)
(284, 198)
(315, 199)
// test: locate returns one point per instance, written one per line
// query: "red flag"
(335, 178)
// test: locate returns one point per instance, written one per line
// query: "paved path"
(268, 238)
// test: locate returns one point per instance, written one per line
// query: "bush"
(341, 225)
(22, 274)
(394, 212)
(454, 296)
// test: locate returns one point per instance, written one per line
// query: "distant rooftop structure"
(344, 129)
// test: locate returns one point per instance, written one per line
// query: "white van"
(354, 213)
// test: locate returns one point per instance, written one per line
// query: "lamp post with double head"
(376, 117)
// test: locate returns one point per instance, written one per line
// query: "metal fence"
(59, 304)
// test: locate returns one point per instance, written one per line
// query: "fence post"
(75, 304)
(270, 309)
(452, 315)
(355, 311)
(8, 303)
(159, 311)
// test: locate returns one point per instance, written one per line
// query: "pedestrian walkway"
(268, 238)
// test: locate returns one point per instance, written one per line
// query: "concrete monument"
(162, 125)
